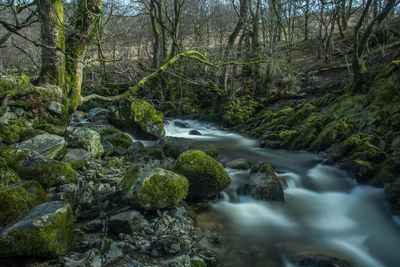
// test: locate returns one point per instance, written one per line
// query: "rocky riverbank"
(89, 195)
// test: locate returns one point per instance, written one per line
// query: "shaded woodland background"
(270, 49)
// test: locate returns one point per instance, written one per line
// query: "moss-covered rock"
(30, 133)
(46, 231)
(49, 145)
(333, 133)
(174, 146)
(207, 177)
(153, 188)
(80, 137)
(31, 165)
(17, 199)
(121, 139)
(49, 128)
(138, 117)
(263, 183)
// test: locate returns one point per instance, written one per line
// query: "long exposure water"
(324, 212)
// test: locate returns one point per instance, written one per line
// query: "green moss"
(116, 163)
(8, 176)
(10, 134)
(263, 167)
(130, 178)
(333, 133)
(50, 128)
(52, 240)
(387, 172)
(109, 131)
(206, 176)
(153, 188)
(120, 139)
(16, 200)
(239, 110)
(49, 173)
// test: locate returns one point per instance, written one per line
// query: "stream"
(324, 212)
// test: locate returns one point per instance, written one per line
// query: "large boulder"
(153, 188)
(49, 145)
(80, 137)
(263, 183)
(46, 231)
(48, 172)
(18, 199)
(174, 146)
(206, 176)
(138, 117)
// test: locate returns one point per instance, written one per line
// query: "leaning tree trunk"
(51, 16)
(86, 22)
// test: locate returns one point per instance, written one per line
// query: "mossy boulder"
(46, 231)
(207, 177)
(17, 199)
(80, 137)
(49, 145)
(174, 146)
(31, 165)
(153, 188)
(138, 117)
(263, 183)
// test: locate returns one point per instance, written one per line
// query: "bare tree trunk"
(156, 33)
(232, 38)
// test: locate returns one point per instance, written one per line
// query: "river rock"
(392, 196)
(126, 222)
(48, 172)
(174, 146)
(194, 132)
(49, 145)
(79, 137)
(316, 260)
(263, 183)
(18, 199)
(138, 117)
(180, 124)
(207, 177)
(77, 157)
(238, 164)
(46, 231)
(153, 188)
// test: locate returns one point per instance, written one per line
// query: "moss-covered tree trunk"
(51, 17)
(85, 23)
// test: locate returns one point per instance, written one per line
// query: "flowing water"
(324, 212)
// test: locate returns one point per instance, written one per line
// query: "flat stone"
(49, 145)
